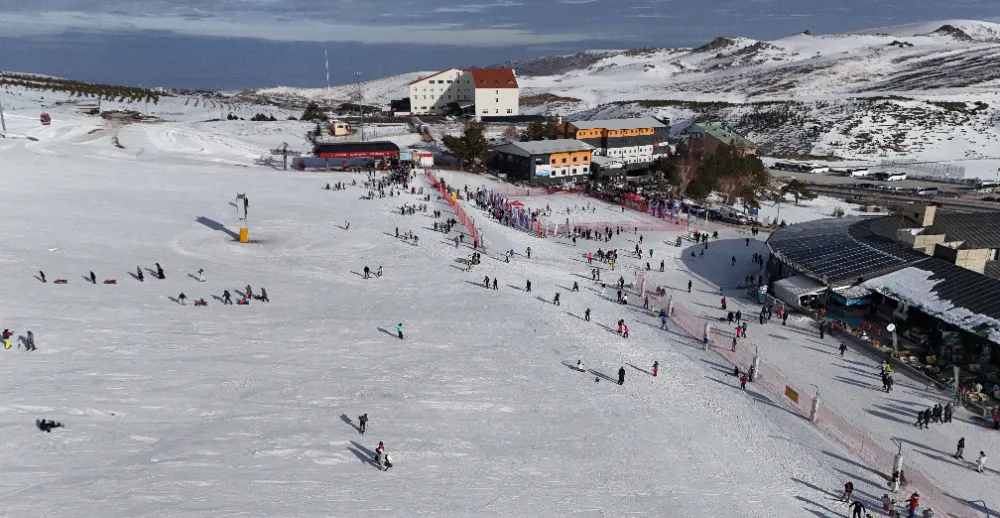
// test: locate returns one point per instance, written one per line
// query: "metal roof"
(722, 132)
(826, 250)
(978, 230)
(619, 124)
(842, 250)
(544, 147)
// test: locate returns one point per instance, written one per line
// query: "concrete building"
(478, 91)
(971, 241)
(634, 143)
(545, 162)
(705, 138)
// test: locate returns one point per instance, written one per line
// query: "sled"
(200, 303)
(60, 281)
(110, 281)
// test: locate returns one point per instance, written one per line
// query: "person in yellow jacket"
(6, 338)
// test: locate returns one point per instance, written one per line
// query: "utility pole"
(3, 123)
(361, 107)
(326, 59)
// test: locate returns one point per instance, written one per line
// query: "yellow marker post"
(244, 235)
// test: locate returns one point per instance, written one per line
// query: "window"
(485, 111)
(498, 92)
(538, 161)
(574, 159)
(449, 97)
(449, 81)
(509, 111)
(496, 100)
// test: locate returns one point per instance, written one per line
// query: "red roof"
(493, 78)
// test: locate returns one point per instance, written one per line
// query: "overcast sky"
(249, 43)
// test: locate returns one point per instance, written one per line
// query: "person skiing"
(527, 287)
(159, 272)
(848, 489)
(857, 509)
(138, 274)
(981, 462)
(29, 342)
(843, 349)
(201, 275)
(586, 315)
(960, 450)
(181, 298)
(227, 298)
(366, 270)
(362, 423)
(556, 299)
(263, 295)
(399, 330)
(656, 368)
(42, 275)
(93, 278)
(579, 365)
(621, 376)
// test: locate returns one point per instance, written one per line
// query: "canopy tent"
(791, 289)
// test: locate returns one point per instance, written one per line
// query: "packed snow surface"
(176, 410)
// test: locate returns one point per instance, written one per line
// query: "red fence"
(778, 384)
(460, 214)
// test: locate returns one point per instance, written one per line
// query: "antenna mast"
(326, 58)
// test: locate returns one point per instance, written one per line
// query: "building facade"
(487, 91)
(545, 162)
(705, 139)
(634, 143)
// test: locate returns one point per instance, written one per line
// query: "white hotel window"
(510, 110)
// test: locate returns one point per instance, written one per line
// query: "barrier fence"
(799, 399)
(460, 215)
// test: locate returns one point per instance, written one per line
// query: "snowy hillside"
(171, 409)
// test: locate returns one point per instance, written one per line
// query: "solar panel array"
(826, 250)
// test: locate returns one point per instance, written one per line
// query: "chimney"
(923, 214)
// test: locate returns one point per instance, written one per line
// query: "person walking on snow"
(734, 343)
(663, 322)
(625, 332)
(734, 260)
(41, 275)
(645, 302)
(486, 282)
(494, 283)
(529, 252)
(379, 272)
(848, 490)
(138, 274)
(857, 509)
(981, 462)
(723, 303)
(201, 275)
(743, 381)
(556, 299)
(576, 287)
(586, 315)
(362, 423)
(843, 349)
(960, 450)
(93, 278)
(527, 286)
(159, 272)
(399, 330)
(29, 342)
(656, 368)
(689, 285)
(263, 295)
(621, 376)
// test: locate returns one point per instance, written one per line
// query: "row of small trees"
(81, 89)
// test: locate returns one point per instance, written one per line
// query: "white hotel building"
(493, 92)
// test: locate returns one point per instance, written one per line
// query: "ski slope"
(176, 410)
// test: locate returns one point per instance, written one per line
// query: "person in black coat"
(47, 426)
(621, 376)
